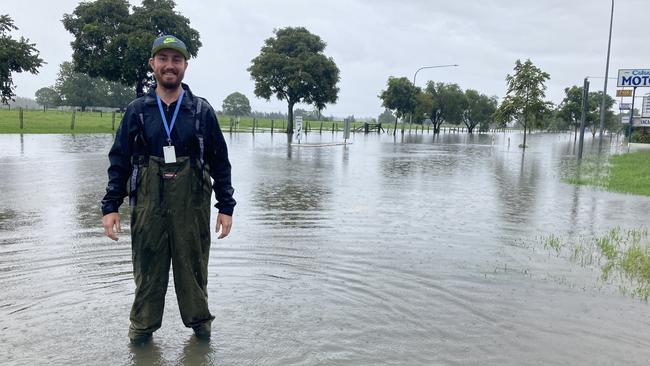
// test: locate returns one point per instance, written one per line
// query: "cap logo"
(169, 40)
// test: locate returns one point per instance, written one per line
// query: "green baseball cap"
(169, 42)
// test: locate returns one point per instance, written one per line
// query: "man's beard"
(171, 85)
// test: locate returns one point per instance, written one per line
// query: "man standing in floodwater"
(167, 148)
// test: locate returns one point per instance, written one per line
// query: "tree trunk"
(436, 127)
(290, 118)
(139, 89)
(395, 130)
(524, 145)
(470, 129)
(575, 134)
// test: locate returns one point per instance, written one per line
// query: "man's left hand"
(224, 223)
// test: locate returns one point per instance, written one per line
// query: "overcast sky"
(371, 40)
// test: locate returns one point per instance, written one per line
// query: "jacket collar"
(150, 97)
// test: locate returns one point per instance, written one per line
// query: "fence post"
(72, 120)
(21, 117)
(272, 127)
(113, 121)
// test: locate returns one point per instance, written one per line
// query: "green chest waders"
(170, 224)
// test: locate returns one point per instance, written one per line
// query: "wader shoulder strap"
(198, 125)
(140, 152)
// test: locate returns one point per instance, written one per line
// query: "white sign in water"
(634, 77)
(297, 131)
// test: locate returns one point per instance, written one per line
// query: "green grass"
(54, 121)
(625, 173)
(623, 257)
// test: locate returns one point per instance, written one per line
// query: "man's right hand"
(111, 223)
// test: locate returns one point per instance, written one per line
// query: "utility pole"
(602, 103)
(585, 107)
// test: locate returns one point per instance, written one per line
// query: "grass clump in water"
(623, 256)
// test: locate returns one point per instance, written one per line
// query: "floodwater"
(391, 251)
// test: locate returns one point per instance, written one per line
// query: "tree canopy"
(524, 100)
(114, 43)
(478, 109)
(443, 103)
(48, 97)
(80, 90)
(386, 116)
(15, 56)
(400, 96)
(236, 104)
(570, 109)
(292, 66)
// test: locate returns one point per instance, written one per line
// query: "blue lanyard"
(168, 127)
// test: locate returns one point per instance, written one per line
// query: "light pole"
(602, 103)
(416, 74)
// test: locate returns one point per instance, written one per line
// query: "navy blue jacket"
(183, 138)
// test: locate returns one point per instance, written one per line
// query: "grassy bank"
(626, 173)
(54, 121)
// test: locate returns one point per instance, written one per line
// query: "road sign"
(625, 120)
(624, 92)
(634, 77)
(641, 122)
(625, 106)
(645, 107)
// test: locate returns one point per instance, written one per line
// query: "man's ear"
(151, 63)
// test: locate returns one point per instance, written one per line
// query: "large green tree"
(113, 94)
(593, 118)
(445, 102)
(236, 104)
(478, 109)
(400, 97)
(570, 109)
(15, 56)
(292, 66)
(524, 100)
(48, 97)
(76, 89)
(386, 116)
(114, 43)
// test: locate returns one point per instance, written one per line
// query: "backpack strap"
(200, 130)
(140, 152)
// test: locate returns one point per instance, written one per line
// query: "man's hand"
(111, 223)
(224, 222)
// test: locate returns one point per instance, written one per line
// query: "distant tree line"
(75, 89)
(437, 103)
(523, 105)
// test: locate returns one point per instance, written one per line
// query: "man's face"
(168, 68)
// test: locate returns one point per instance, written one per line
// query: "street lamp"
(416, 74)
(602, 103)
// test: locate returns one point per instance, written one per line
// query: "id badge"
(170, 154)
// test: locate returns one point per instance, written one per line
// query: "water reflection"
(146, 354)
(516, 185)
